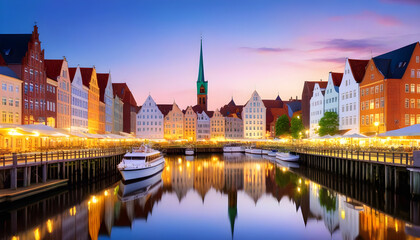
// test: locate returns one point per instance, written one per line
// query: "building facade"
(107, 97)
(57, 69)
(130, 108)
(274, 109)
(23, 54)
(190, 124)
(390, 91)
(202, 84)
(117, 117)
(317, 109)
(217, 126)
(91, 82)
(349, 94)
(203, 125)
(307, 92)
(174, 123)
(79, 101)
(332, 92)
(101, 122)
(149, 121)
(11, 97)
(51, 101)
(254, 117)
(234, 128)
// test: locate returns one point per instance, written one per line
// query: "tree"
(328, 124)
(282, 125)
(296, 127)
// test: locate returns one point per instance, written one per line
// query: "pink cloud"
(384, 20)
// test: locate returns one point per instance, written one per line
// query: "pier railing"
(387, 158)
(37, 158)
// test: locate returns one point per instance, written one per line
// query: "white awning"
(413, 130)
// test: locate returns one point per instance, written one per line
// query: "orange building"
(390, 91)
(89, 80)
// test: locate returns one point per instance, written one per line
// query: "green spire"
(201, 67)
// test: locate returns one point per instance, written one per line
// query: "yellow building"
(217, 126)
(174, 122)
(89, 80)
(11, 93)
(190, 124)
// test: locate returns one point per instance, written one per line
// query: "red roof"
(336, 78)
(165, 108)
(86, 75)
(72, 72)
(272, 114)
(231, 109)
(309, 85)
(358, 68)
(124, 93)
(53, 68)
(273, 103)
(102, 82)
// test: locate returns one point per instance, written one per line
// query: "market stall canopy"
(355, 135)
(112, 136)
(413, 130)
(92, 135)
(43, 130)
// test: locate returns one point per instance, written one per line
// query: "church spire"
(201, 66)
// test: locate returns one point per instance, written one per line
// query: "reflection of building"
(348, 219)
(324, 205)
(254, 179)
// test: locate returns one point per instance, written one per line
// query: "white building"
(254, 117)
(349, 103)
(331, 92)
(149, 121)
(107, 97)
(79, 101)
(316, 109)
(203, 126)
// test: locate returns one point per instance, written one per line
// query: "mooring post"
(13, 173)
(386, 177)
(44, 173)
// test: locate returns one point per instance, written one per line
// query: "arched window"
(202, 90)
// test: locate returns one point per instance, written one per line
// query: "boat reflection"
(243, 179)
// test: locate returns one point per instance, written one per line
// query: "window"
(376, 89)
(418, 118)
(413, 103)
(4, 101)
(412, 119)
(11, 88)
(412, 73)
(407, 103)
(413, 88)
(407, 119)
(381, 88)
(4, 86)
(372, 104)
(406, 88)
(367, 119)
(382, 102)
(363, 92)
(363, 120)
(377, 103)
(418, 73)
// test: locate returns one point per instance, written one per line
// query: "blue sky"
(270, 46)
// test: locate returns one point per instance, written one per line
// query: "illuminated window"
(418, 118)
(407, 119)
(363, 120)
(413, 103)
(377, 117)
(412, 119)
(377, 103)
(381, 118)
(376, 89)
(372, 104)
(413, 88)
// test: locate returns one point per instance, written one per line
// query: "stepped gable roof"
(53, 68)
(13, 47)
(165, 108)
(358, 68)
(72, 72)
(86, 75)
(394, 64)
(124, 93)
(102, 83)
(8, 72)
(336, 78)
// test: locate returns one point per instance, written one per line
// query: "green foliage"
(328, 124)
(327, 200)
(296, 127)
(285, 178)
(282, 125)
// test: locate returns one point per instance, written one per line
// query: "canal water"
(216, 197)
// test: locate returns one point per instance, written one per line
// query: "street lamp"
(377, 127)
(307, 133)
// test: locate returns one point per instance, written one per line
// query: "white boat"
(272, 153)
(287, 157)
(265, 152)
(189, 151)
(248, 150)
(256, 151)
(233, 149)
(141, 163)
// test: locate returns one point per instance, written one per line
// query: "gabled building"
(202, 84)
(51, 101)
(79, 101)
(390, 91)
(203, 123)
(307, 92)
(150, 122)
(331, 92)
(58, 70)
(274, 109)
(254, 117)
(91, 82)
(217, 126)
(190, 124)
(349, 94)
(317, 109)
(117, 117)
(129, 106)
(234, 128)
(23, 54)
(173, 121)
(106, 96)
(11, 97)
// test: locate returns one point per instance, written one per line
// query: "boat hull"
(287, 157)
(139, 173)
(235, 149)
(189, 152)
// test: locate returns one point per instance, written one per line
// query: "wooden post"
(44, 173)
(13, 173)
(386, 177)
(25, 176)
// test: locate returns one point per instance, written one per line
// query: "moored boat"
(272, 153)
(256, 151)
(265, 152)
(189, 151)
(233, 149)
(287, 157)
(140, 163)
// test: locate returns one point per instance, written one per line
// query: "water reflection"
(213, 196)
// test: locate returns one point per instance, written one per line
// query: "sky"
(269, 46)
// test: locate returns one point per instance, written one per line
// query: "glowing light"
(94, 200)
(179, 160)
(376, 124)
(258, 167)
(283, 169)
(180, 168)
(106, 193)
(298, 189)
(188, 164)
(396, 227)
(215, 159)
(300, 181)
(37, 235)
(168, 168)
(199, 168)
(36, 134)
(15, 238)
(13, 132)
(74, 210)
(343, 214)
(49, 226)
